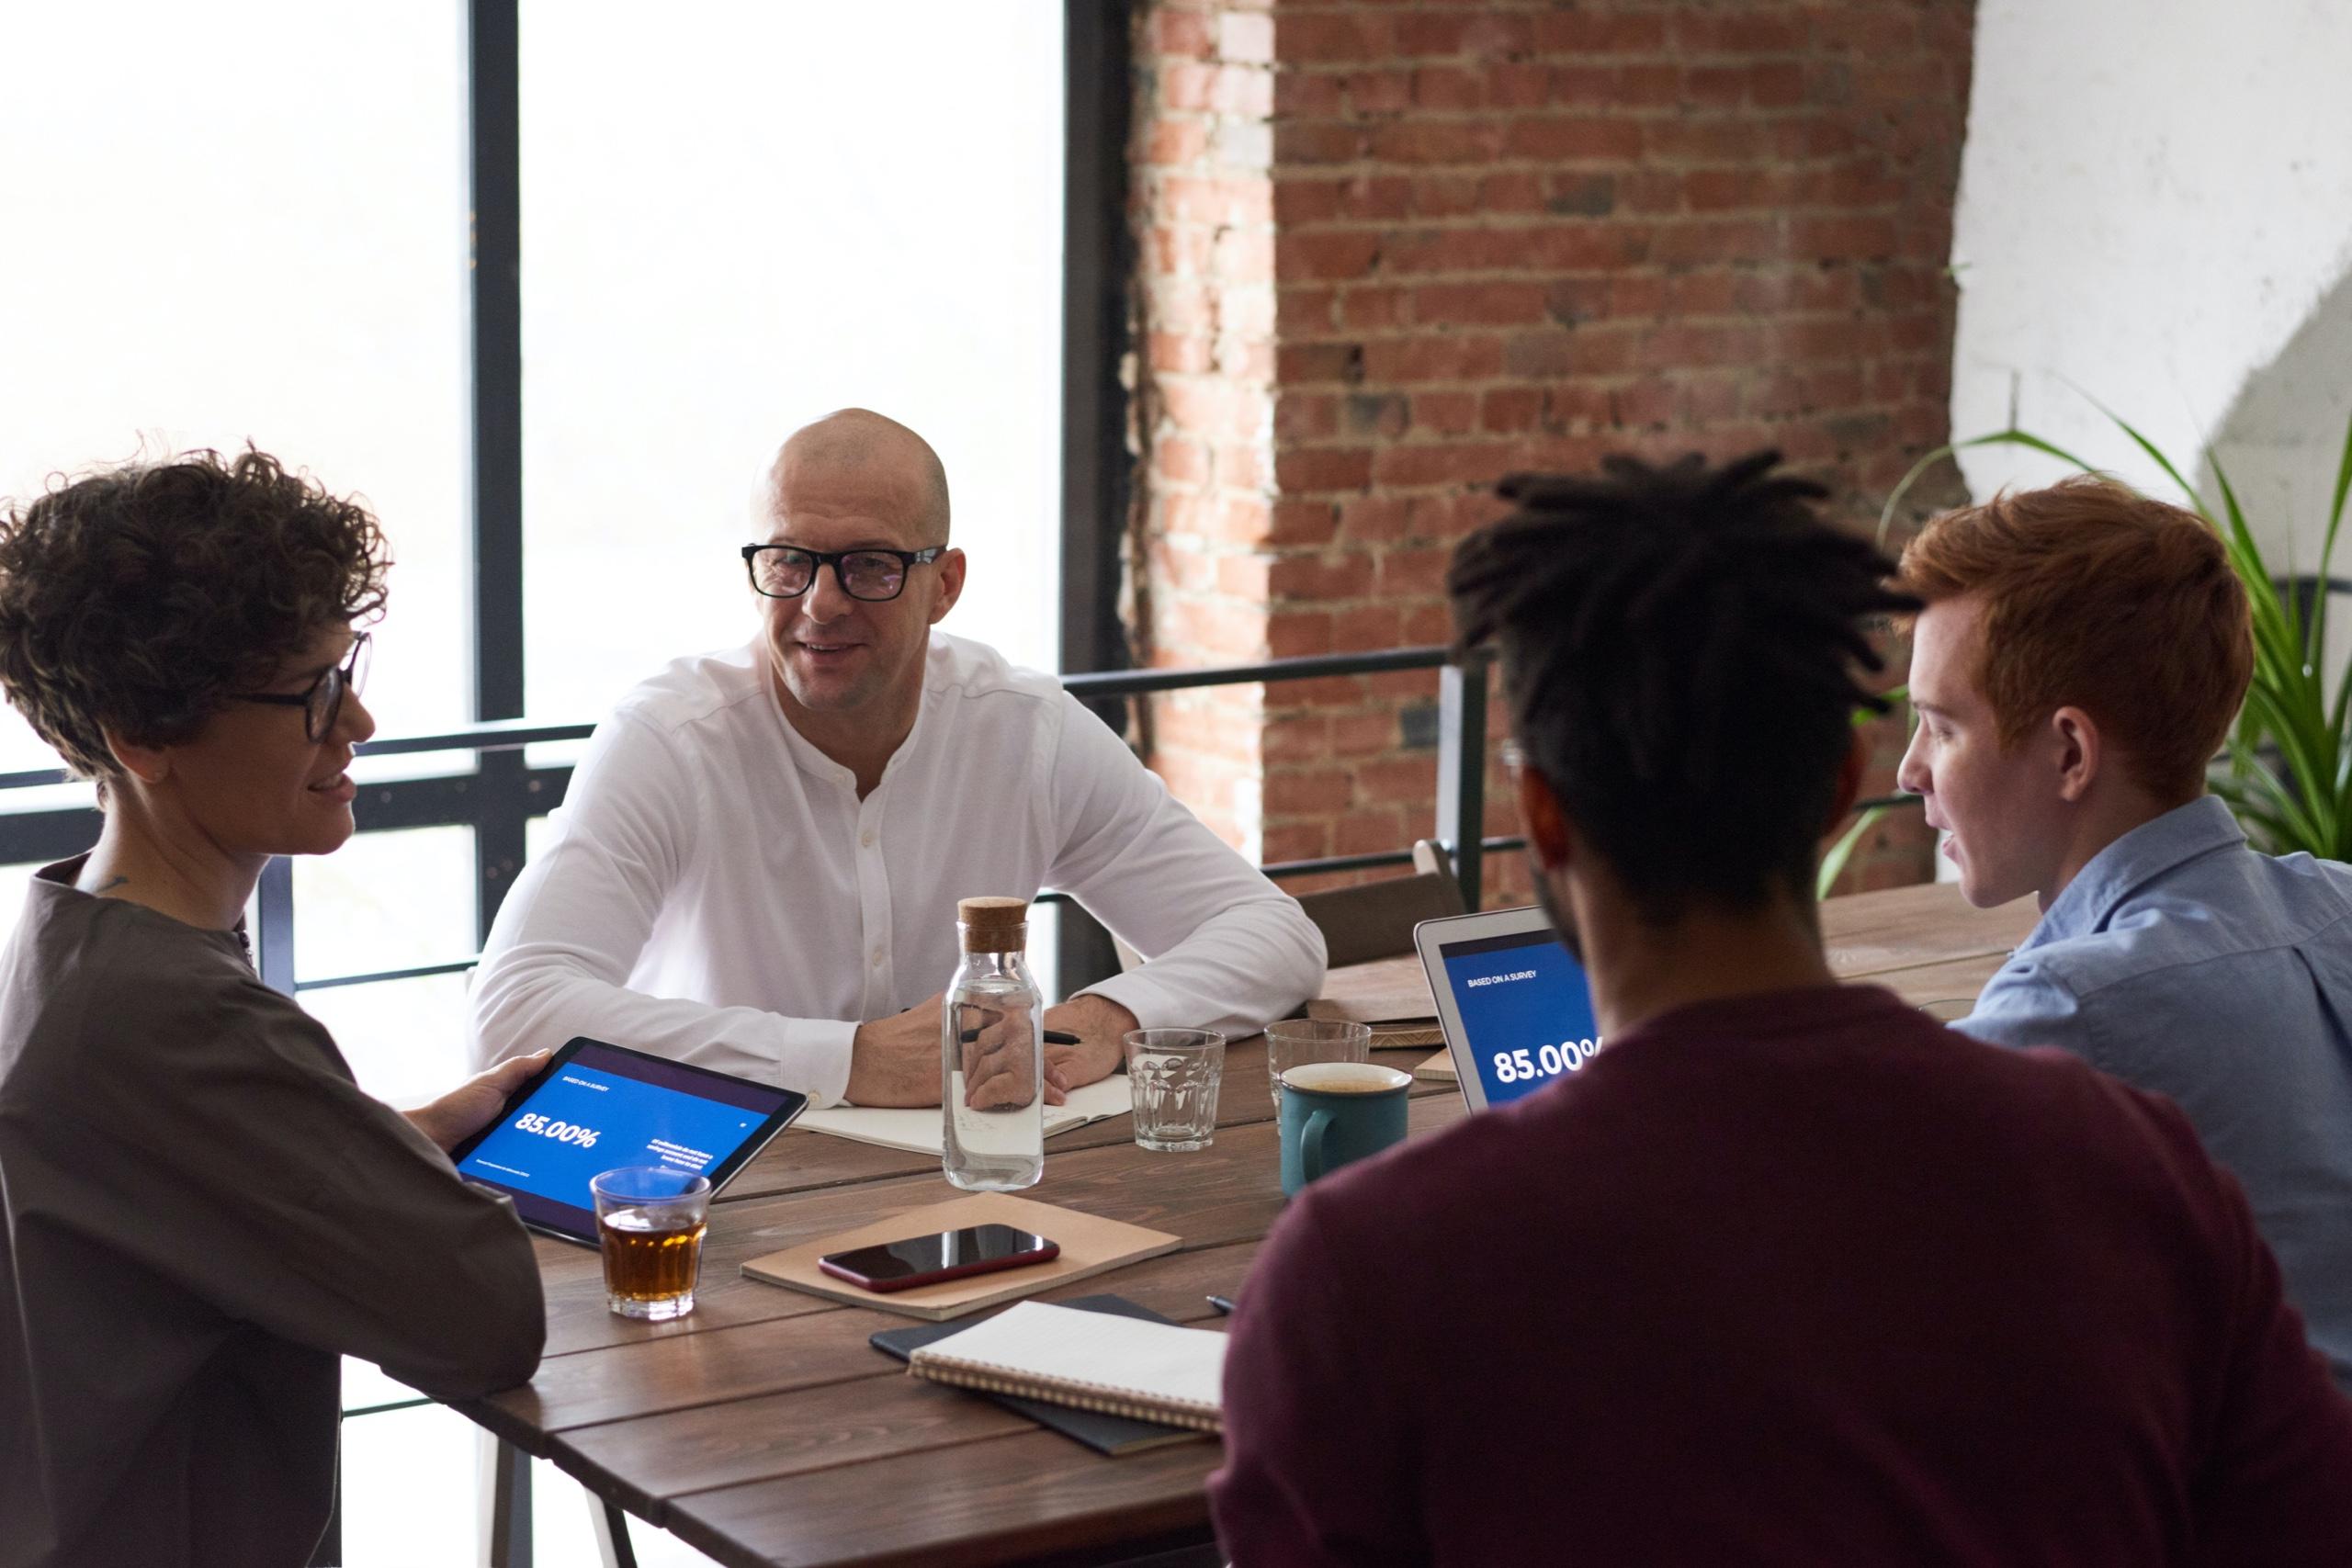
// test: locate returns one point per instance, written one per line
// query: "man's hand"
(1100, 1025)
(999, 1060)
(467, 1109)
(895, 1060)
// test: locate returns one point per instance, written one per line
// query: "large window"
(736, 221)
(233, 223)
(249, 221)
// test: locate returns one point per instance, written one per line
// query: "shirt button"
(877, 958)
(867, 839)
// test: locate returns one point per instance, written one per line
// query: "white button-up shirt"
(716, 892)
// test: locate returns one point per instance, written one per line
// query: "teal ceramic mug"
(1334, 1113)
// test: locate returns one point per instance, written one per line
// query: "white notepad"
(1122, 1366)
(919, 1132)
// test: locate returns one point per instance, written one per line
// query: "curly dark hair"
(139, 599)
(1679, 651)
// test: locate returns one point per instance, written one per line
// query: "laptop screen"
(1526, 1012)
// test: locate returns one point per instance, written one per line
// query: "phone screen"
(937, 1252)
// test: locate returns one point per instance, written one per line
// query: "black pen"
(1053, 1037)
(1221, 1305)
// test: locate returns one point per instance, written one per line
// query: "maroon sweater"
(1800, 1279)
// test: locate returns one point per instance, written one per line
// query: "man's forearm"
(1237, 970)
(533, 1004)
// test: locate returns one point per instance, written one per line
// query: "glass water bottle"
(992, 1053)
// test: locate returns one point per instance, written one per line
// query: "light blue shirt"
(2181, 961)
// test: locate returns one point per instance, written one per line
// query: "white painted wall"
(2155, 206)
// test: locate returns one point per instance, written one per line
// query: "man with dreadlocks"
(1787, 1273)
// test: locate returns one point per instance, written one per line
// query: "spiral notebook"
(1120, 1366)
(1112, 1434)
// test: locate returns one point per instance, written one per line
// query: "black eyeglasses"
(787, 572)
(321, 704)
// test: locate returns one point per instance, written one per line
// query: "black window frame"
(498, 795)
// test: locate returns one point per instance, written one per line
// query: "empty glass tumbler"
(1174, 1074)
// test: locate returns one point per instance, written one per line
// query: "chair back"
(1376, 918)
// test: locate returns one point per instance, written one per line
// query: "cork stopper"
(994, 925)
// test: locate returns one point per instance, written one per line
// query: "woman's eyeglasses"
(321, 704)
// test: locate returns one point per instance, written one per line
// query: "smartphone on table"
(943, 1255)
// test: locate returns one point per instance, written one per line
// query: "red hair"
(2097, 598)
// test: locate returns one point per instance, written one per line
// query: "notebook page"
(1054, 1344)
(919, 1132)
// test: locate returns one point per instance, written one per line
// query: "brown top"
(203, 1212)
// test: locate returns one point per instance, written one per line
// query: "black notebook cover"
(1105, 1434)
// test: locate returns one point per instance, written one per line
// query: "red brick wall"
(1501, 236)
(1201, 185)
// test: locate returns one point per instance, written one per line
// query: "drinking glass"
(1174, 1074)
(1294, 1042)
(650, 1224)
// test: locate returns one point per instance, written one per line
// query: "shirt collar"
(1758, 1015)
(2137, 858)
(53, 886)
(804, 752)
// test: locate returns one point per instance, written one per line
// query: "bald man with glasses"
(757, 864)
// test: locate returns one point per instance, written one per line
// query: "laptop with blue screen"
(1512, 1000)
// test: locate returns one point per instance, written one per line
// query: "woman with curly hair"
(202, 1209)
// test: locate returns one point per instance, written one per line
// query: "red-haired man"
(2082, 655)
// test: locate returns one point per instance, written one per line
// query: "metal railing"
(502, 792)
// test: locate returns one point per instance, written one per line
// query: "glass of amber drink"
(649, 1223)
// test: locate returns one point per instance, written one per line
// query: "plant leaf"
(2327, 562)
(2195, 501)
(1833, 865)
(2278, 651)
(2335, 504)
(2010, 437)
(2293, 825)
(2287, 691)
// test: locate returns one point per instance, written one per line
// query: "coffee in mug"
(1346, 1077)
(1336, 1112)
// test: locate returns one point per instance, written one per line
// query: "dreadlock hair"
(1678, 646)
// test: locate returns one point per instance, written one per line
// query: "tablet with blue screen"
(595, 1108)
(1512, 1000)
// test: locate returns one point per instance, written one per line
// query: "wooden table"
(764, 1429)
